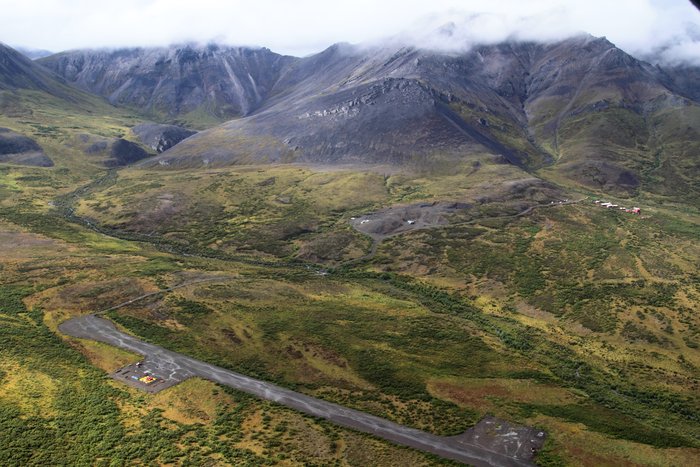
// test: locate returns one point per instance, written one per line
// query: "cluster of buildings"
(605, 204)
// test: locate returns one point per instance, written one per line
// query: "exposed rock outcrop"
(161, 137)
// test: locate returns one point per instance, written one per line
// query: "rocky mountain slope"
(198, 84)
(582, 108)
(19, 72)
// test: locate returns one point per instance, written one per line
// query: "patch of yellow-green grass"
(198, 119)
(55, 123)
(106, 357)
(32, 391)
(8, 180)
(251, 425)
(278, 210)
(105, 243)
(275, 186)
(307, 440)
(357, 296)
(229, 209)
(95, 292)
(463, 181)
(362, 450)
(343, 190)
(192, 401)
(333, 247)
(573, 444)
(237, 332)
(36, 187)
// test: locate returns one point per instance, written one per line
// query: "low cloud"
(661, 32)
(664, 30)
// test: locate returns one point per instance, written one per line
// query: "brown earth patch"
(17, 244)
(399, 219)
(476, 392)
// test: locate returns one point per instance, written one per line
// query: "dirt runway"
(492, 442)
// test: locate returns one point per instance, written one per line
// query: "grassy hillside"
(626, 152)
(63, 127)
(288, 211)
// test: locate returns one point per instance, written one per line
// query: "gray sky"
(301, 27)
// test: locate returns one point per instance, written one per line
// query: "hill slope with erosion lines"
(199, 84)
(582, 108)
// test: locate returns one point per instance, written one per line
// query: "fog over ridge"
(665, 31)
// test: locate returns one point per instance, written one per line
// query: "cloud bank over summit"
(665, 30)
(670, 35)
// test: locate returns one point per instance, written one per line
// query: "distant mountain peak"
(19, 72)
(209, 82)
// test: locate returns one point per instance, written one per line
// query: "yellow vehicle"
(148, 379)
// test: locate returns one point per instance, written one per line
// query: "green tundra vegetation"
(577, 319)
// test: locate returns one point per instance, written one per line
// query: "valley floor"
(577, 320)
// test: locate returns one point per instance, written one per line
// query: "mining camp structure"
(606, 204)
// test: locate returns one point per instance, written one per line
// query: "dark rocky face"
(125, 152)
(14, 143)
(161, 137)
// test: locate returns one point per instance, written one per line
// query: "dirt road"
(505, 445)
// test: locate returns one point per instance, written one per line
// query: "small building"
(636, 210)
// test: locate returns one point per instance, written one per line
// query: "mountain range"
(581, 110)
